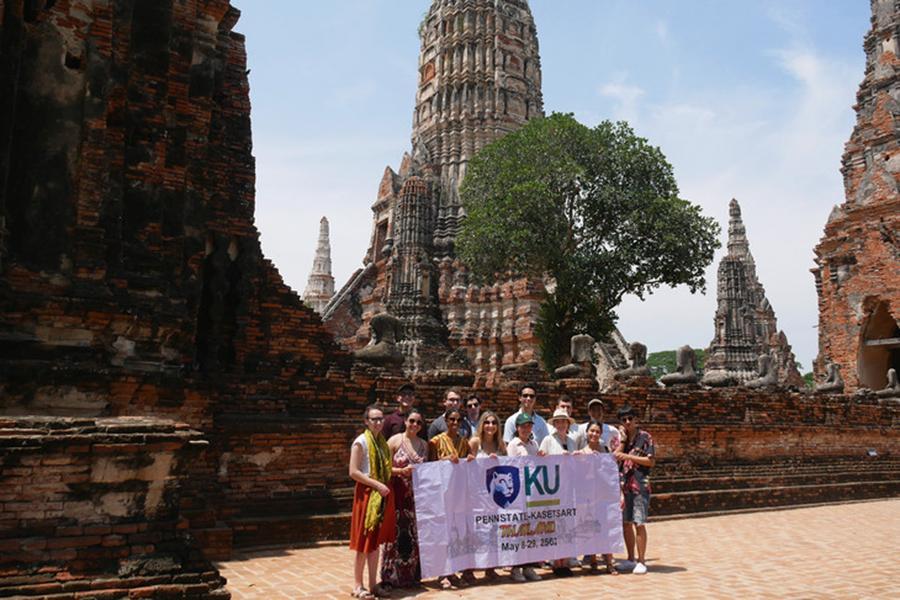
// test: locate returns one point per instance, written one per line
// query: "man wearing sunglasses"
(636, 456)
(473, 412)
(527, 400)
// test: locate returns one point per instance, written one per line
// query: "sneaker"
(625, 565)
(517, 575)
(587, 560)
(530, 575)
(639, 569)
(572, 562)
(562, 572)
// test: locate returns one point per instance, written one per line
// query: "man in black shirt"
(396, 421)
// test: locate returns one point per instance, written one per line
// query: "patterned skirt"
(400, 557)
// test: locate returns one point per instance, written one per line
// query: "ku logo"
(503, 484)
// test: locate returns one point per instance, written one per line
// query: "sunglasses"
(414, 421)
(376, 419)
(490, 422)
(528, 396)
(472, 405)
(453, 419)
(628, 418)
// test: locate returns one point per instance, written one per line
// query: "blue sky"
(750, 100)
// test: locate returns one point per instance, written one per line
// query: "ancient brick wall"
(131, 136)
(91, 504)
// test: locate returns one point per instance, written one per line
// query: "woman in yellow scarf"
(373, 518)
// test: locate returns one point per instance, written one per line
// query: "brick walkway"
(844, 551)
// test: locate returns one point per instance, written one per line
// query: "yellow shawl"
(380, 470)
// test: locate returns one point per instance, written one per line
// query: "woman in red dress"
(373, 518)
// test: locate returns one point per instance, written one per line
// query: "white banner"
(510, 511)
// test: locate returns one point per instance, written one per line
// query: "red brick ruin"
(858, 260)
(165, 397)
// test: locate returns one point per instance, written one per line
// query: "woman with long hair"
(486, 442)
(372, 520)
(400, 557)
(488, 439)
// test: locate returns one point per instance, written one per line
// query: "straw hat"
(561, 414)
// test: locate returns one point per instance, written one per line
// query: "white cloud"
(662, 31)
(626, 96)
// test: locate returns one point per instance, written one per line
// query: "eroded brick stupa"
(857, 269)
(479, 78)
(745, 324)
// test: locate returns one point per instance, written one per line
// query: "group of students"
(383, 457)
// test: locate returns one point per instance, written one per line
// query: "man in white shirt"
(527, 398)
(610, 435)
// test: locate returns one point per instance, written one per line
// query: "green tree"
(594, 210)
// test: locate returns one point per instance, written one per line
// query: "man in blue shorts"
(636, 457)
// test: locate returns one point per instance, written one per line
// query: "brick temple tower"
(479, 78)
(320, 285)
(745, 324)
(857, 269)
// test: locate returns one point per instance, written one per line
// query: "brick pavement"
(838, 551)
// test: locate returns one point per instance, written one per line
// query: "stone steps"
(291, 529)
(311, 528)
(701, 501)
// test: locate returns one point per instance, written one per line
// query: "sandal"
(446, 583)
(362, 593)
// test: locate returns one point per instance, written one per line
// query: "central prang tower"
(479, 79)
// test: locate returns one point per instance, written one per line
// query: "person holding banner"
(637, 456)
(561, 441)
(450, 445)
(400, 557)
(372, 519)
(487, 443)
(595, 445)
(524, 445)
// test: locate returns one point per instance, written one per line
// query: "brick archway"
(879, 348)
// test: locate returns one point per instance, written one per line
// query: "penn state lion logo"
(503, 485)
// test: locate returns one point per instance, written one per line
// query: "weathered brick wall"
(300, 465)
(91, 504)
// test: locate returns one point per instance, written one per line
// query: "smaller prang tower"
(745, 321)
(320, 285)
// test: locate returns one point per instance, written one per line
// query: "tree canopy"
(595, 210)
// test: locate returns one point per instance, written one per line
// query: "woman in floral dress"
(400, 562)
